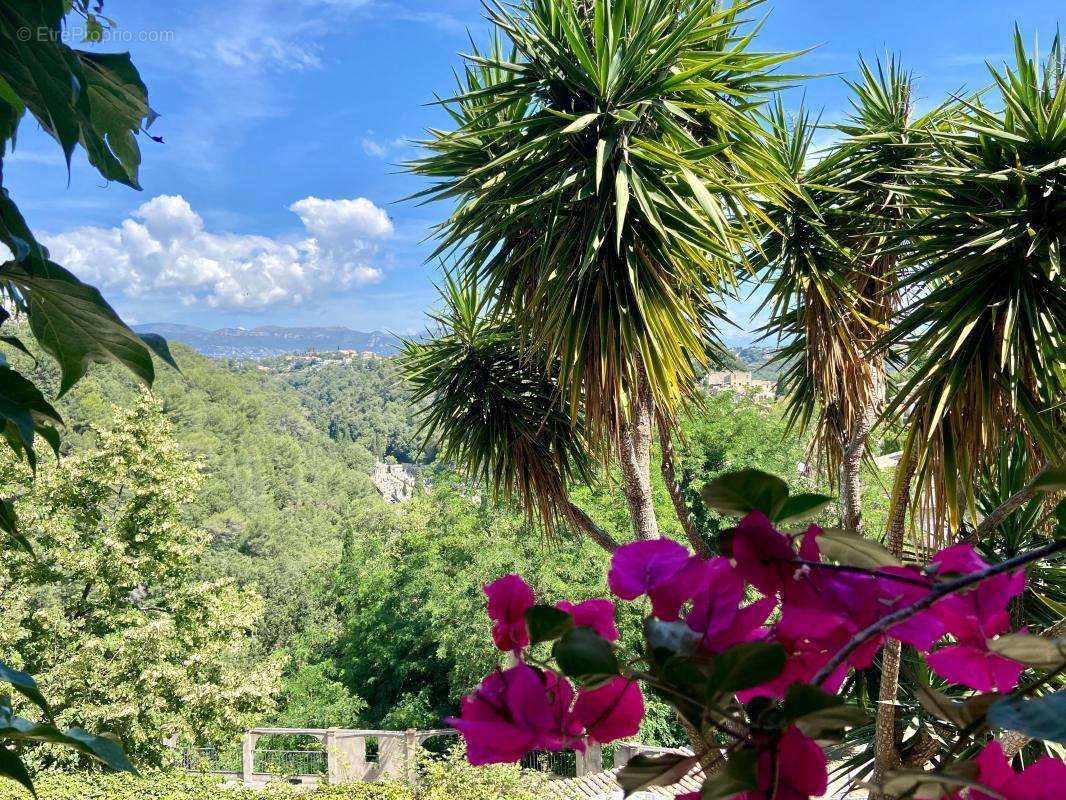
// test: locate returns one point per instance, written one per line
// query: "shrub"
(450, 777)
(178, 786)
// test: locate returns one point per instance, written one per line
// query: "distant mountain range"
(271, 340)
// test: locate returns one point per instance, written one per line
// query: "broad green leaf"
(674, 638)
(74, 323)
(11, 766)
(745, 666)
(818, 714)
(25, 685)
(854, 550)
(916, 783)
(800, 507)
(736, 777)
(547, 623)
(739, 493)
(158, 345)
(1052, 480)
(1033, 651)
(958, 712)
(1041, 717)
(586, 657)
(23, 406)
(646, 771)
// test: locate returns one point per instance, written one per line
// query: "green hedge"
(177, 786)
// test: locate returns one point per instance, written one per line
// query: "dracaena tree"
(829, 267)
(96, 101)
(602, 162)
(985, 325)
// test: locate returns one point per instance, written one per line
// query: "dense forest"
(340, 609)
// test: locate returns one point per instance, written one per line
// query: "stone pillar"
(591, 761)
(351, 758)
(391, 757)
(411, 747)
(248, 758)
(623, 753)
(329, 744)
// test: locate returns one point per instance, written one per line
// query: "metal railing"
(272, 762)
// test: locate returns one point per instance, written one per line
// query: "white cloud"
(163, 250)
(380, 149)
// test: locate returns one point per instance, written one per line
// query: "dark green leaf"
(799, 507)
(585, 656)
(644, 771)
(739, 775)
(547, 623)
(746, 666)
(1052, 480)
(738, 493)
(160, 347)
(74, 323)
(12, 767)
(672, 638)
(25, 685)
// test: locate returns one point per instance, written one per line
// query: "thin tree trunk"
(684, 514)
(634, 459)
(886, 745)
(851, 483)
(592, 530)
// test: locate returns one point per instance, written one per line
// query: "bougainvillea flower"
(923, 629)
(611, 712)
(670, 595)
(980, 611)
(792, 768)
(515, 711)
(971, 663)
(1041, 780)
(638, 567)
(763, 555)
(810, 638)
(509, 599)
(717, 614)
(595, 614)
(660, 568)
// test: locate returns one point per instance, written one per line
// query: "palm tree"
(602, 172)
(983, 330)
(983, 268)
(829, 274)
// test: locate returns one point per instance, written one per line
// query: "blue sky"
(276, 197)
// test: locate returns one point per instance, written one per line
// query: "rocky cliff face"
(396, 482)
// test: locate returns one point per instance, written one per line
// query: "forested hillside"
(369, 609)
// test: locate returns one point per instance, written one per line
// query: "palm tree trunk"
(850, 482)
(634, 459)
(684, 514)
(886, 745)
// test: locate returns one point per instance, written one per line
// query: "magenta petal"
(715, 605)
(958, 558)
(670, 594)
(639, 566)
(802, 765)
(762, 554)
(611, 712)
(509, 599)
(595, 614)
(492, 742)
(975, 667)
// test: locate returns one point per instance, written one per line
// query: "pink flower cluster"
(823, 608)
(1044, 779)
(517, 710)
(817, 608)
